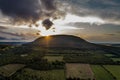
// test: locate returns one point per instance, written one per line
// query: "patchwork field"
(114, 69)
(10, 69)
(81, 71)
(39, 75)
(100, 73)
(54, 58)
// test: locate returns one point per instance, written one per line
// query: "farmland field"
(100, 73)
(82, 71)
(10, 69)
(109, 55)
(114, 69)
(39, 75)
(115, 59)
(54, 58)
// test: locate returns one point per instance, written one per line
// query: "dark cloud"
(22, 11)
(9, 33)
(2, 28)
(17, 36)
(49, 4)
(94, 29)
(106, 26)
(33, 10)
(47, 24)
(3, 38)
(78, 24)
(106, 9)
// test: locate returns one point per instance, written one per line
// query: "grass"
(115, 59)
(54, 58)
(82, 71)
(114, 69)
(109, 55)
(100, 73)
(10, 69)
(31, 74)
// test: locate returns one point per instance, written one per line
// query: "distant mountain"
(63, 41)
(110, 44)
(12, 43)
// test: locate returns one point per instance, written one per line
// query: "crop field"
(10, 69)
(100, 73)
(81, 71)
(115, 59)
(109, 55)
(114, 69)
(54, 58)
(39, 75)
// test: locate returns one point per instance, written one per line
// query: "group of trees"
(43, 64)
(78, 79)
(94, 58)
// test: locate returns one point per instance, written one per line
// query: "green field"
(100, 73)
(30, 74)
(109, 55)
(81, 71)
(10, 69)
(115, 59)
(114, 69)
(54, 58)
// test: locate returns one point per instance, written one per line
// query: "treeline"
(89, 58)
(45, 65)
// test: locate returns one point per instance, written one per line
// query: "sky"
(92, 20)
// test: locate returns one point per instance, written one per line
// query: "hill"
(70, 42)
(63, 41)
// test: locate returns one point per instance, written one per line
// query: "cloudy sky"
(93, 20)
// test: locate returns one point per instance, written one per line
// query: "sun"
(44, 32)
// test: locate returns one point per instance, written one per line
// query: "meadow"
(91, 58)
(109, 55)
(114, 70)
(100, 73)
(115, 59)
(31, 74)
